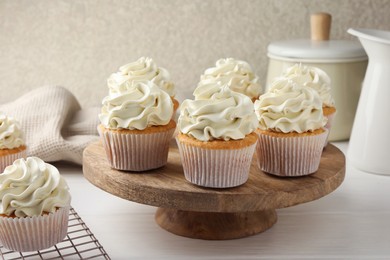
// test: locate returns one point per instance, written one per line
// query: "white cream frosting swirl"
(11, 136)
(314, 78)
(30, 187)
(142, 105)
(289, 107)
(142, 69)
(237, 74)
(226, 115)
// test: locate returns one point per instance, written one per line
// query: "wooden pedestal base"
(214, 225)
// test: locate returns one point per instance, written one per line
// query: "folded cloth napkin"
(55, 127)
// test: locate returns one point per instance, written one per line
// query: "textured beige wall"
(77, 44)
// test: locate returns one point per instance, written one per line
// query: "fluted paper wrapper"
(9, 159)
(34, 233)
(329, 126)
(216, 168)
(290, 156)
(136, 152)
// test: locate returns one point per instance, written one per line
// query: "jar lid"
(303, 49)
(319, 48)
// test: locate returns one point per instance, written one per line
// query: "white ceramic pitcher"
(369, 146)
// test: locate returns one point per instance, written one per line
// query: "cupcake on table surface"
(291, 129)
(318, 80)
(136, 127)
(34, 205)
(12, 145)
(144, 69)
(217, 140)
(238, 75)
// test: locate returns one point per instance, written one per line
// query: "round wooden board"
(166, 187)
(206, 213)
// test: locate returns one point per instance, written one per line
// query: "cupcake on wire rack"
(291, 129)
(217, 140)
(136, 127)
(34, 205)
(238, 75)
(143, 69)
(12, 145)
(318, 80)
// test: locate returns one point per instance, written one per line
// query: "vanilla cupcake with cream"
(318, 80)
(137, 126)
(217, 140)
(144, 69)
(34, 205)
(12, 145)
(238, 75)
(291, 129)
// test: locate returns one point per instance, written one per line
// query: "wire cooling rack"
(80, 243)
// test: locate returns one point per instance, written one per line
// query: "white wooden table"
(350, 223)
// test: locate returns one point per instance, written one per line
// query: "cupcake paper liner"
(9, 159)
(290, 156)
(34, 233)
(222, 168)
(136, 152)
(329, 126)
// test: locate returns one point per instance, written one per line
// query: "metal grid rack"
(80, 243)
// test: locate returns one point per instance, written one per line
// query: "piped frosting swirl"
(31, 187)
(237, 74)
(142, 69)
(143, 104)
(226, 115)
(314, 78)
(11, 135)
(289, 107)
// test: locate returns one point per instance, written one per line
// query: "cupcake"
(12, 145)
(318, 80)
(142, 69)
(236, 74)
(216, 139)
(34, 205)
(136, 127)
(291, 129)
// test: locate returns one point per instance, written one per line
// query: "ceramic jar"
(344, 61)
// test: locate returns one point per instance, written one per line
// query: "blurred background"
(78, 44)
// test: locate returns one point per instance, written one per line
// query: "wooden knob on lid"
(320, 26)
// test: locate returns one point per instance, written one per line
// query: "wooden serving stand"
(205, 213)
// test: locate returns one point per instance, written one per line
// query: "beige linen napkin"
(55, 127)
